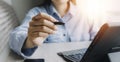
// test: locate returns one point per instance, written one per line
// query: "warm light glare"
(92, 8)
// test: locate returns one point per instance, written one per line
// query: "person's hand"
(39, 29)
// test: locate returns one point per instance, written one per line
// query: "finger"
(43, 23)
(41, 29)
(40, 34)
(46, 16)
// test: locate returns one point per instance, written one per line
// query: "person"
(38, 27)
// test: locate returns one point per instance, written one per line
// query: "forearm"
(17, 40)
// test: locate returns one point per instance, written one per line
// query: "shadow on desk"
(13, 57)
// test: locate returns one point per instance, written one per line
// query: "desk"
(49, 51)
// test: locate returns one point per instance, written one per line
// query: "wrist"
(28, 43)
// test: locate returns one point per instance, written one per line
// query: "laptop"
(106, 41)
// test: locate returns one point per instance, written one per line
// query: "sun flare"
(92, 8)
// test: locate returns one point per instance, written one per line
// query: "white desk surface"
(49, 51)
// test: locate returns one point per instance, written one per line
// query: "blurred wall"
(113, 10)
(21, 7)
(8, 1)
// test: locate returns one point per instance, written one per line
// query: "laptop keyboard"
(73, 55)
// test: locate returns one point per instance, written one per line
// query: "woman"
(39, 27)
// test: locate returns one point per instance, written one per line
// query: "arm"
(34, 31)
(19, 34)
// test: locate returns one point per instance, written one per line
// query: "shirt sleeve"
(19, 35)
(29, 51)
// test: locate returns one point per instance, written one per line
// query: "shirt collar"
(72, 9)
(51, 9)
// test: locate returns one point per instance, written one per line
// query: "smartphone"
(34, 60)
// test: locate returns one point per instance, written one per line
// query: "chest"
(75, 29)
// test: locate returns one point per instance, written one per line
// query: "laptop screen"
(105, 41)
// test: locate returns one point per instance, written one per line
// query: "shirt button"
(64, 34)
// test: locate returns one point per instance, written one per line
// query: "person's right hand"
(39, 29)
